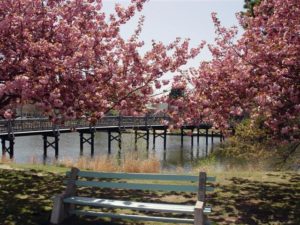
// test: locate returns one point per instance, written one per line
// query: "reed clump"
(6, 160)
(130, 163)
(133, 164)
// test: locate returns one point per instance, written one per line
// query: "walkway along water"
(142, 128)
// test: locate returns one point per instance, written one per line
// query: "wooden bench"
(65, 203)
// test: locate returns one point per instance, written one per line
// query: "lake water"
(29, 147)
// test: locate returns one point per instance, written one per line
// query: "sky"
(167, 19)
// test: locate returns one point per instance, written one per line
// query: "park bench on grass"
(65, 203)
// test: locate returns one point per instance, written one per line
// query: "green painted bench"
(65, 203)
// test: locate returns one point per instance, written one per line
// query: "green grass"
(241, 197)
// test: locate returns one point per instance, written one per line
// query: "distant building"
(28, 110)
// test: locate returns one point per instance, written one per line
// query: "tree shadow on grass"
(257, 202)
(26, 199)
(25, 196)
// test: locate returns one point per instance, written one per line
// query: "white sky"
(167, 19)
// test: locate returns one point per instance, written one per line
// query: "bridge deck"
(37, 126)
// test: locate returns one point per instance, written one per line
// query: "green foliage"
(252, 146)
(251, 132)
(176, 93)
(210, 161)
(249, 6)
(250, 143)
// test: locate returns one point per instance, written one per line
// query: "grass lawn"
(240, 197)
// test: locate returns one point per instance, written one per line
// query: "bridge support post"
(181, 136)
(54, 143)
(109, 142)
(81, 142)
(117, 137)
(192, 137)
(120, 140)
(165, 138)
(221, 137)
(45, 141)
(10, 137)
(10, 148)
(3, 146)
(206, 150)
(154, 136)
(162, 135)
(135, 138)
(144, 136)
(198, 136)
(90, 140)
(206, 136)
(148, 137)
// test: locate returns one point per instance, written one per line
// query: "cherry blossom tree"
(68, 58)
(256, 76)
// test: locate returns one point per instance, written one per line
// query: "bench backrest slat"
(137, 186)
(141, 176)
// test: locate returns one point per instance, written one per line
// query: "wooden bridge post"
(165, 138)
(154, 136)
(192, 137)
(206, 136)
(90, 140)
(117, 137)
(3, 146)
(109, 142)
(54, 143)
(181, 129)
(147, 137)
(212, 137)
(119, 140)
(135, 138)
(198, 135)
(11, 147)
(45, 145)
(142, 135)
(56, 140)
(92, 143)
(81, 142)
(165, 156)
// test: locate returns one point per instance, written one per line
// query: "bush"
(252, 146)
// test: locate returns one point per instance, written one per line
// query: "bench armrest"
(199, 207)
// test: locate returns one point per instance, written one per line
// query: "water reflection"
(69, 148)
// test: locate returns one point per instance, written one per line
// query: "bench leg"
(199, 217)
(60, 210)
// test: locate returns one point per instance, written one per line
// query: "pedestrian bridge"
(113, 125)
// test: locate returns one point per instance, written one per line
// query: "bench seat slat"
(171, 208)
(141, 206)
(141, 176)
(133, 217)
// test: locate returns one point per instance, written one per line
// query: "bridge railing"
(35, 124)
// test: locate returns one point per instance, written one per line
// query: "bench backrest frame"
(201, 189)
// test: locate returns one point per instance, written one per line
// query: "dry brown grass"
(131, 164)
(6, 160)
(33, 160)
